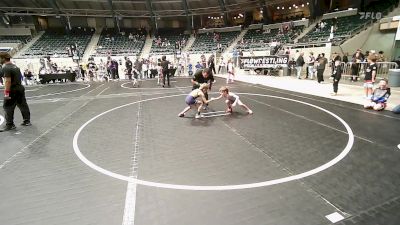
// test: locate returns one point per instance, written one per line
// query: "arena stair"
(29, 44)
(308, 29)
(189, 43)
(235, 42)
(147, 47)
(92, 44)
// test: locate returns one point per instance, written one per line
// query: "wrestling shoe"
(26, 123)
(250, 112)
(181, 115)
(8, 128)
(198, 116)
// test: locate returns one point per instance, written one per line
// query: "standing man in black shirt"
(14, 93)
(165, 69)
(128, 66)
(201, 77)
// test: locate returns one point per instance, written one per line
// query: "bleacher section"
(344, 27)
(259, 40)
(15, 39)
(205, 43)
(127, 42)
(54, 43)
(168, 41)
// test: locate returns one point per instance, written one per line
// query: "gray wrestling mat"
(110, 154)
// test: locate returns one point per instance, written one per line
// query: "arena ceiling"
(128, 8)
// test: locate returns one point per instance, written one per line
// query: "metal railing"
(357, 70)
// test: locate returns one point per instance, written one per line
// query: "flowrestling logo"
(265, 61)
(370, 15)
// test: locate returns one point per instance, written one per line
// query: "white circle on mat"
(59, 93)
(323, 167)
(151, 88)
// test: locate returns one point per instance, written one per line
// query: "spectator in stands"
(370, 75)
(311, 62)
(379, 97)
(322, 25)
(321, 67)
(299, 64)
(336, 75)
(317, 27)
(158, 41)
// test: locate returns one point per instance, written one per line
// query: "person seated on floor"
(379, 97)
(396, 110)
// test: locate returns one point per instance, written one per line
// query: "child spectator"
(231, 72)
(370, 74)
(336, 75)
(190, 69)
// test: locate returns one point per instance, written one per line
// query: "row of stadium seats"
(126, 42)
(174, 37)
(260, 39)
(344, 26)
(205, 43)
(15, 39)
(54, 43)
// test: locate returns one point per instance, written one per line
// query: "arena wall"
(370, 39)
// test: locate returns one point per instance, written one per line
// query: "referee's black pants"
(17, 95)
(320, 75)
(166, 75)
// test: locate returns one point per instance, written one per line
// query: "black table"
(45, 78)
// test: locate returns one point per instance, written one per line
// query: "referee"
(201, 77)
(14, 93)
